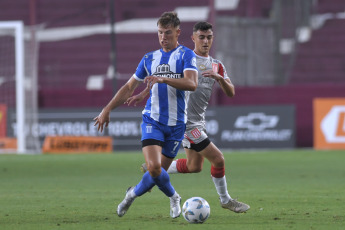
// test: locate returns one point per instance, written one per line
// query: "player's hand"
(134, 99)
(151, 80)
(211, 74)
(102, 119)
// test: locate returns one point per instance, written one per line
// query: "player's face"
(168, 37)
(203, 41)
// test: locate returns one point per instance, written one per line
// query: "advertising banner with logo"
(71, 144)
(329, 123)
(124, 126)
(246, 127)
(234, 127)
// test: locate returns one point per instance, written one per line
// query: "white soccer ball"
(196, 210)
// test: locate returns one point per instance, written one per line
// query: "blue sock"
(163, 183)
(144, 185)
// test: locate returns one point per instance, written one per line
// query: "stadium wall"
(301, 96)
(65, 66)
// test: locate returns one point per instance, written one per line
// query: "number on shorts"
(176, 144)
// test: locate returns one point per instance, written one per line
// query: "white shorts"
(193, 135)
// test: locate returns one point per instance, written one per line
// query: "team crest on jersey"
(202, 67)
(195, 133)
(148, 128)
(164, 71)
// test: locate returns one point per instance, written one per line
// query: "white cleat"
(236, 206)
(175, 206)
(126, 203)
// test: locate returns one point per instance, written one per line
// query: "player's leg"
(215, 156)
(156, 175)
(175, 200)
(152, 157)
(174, 136)
(152, 142)
(166, 162)
(194, 161)
(152, 154)
(192, 164)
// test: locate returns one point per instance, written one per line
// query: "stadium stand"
(249, 9)
(66, 65)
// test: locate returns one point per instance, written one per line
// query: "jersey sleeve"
(189, 61)
(222, 71)
(141, 72)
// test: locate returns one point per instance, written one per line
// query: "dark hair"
(169, 18)
(203, 26)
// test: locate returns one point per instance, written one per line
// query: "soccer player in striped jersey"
(196, 142)
(170, 74)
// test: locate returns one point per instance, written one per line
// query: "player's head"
(168, 30)
(202, 38)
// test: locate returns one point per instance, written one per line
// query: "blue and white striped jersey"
(167, 104)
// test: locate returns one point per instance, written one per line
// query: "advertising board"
(329, 123)
(235, 127)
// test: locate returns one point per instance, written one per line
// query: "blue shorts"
(170, 137)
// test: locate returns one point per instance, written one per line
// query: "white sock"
(222, 189)
(172, 169)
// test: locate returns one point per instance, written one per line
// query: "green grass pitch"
(290, 189)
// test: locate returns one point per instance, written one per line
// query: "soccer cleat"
(143, 168)
(235, 206)
(126, 203)
(175, 206)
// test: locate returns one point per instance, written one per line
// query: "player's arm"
(225, 83)
(120, 97)
(227, 86)
(222, 78)
(188, 83)
(139, 97)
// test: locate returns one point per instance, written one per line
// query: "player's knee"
(219, 161)
(154, 170)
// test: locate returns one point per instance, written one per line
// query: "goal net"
(18, 85)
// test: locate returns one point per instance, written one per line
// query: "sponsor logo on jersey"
(164, 71)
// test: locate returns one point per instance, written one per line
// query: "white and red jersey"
(198, 99)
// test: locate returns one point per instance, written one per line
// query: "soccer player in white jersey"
(170, 73)
(196, 142)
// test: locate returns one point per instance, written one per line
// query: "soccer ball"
(196, 210)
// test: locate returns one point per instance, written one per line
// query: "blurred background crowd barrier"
(279, 54)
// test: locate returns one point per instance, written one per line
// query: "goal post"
(18, 85)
